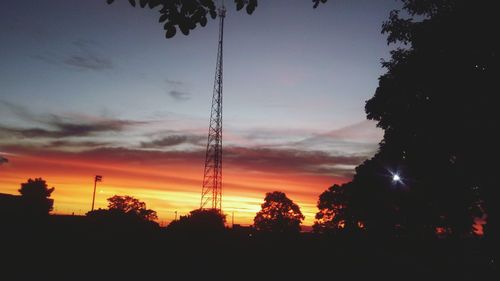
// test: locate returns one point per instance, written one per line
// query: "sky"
(88, 88)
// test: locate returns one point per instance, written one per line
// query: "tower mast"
(212, 178)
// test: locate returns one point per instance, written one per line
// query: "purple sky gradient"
(80, 75)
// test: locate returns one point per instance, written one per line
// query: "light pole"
(96, 179)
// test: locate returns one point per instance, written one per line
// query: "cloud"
(364, 131)
(50, 59)
(19, 111)
(84, 57)
(266, 160)
(173, 140)
(87, 57)
(3, 160)
(179, 92)
(174, 83)
(76, 144)
(361, 138)
(68, 128)
(245, 159)
(89, 61)
(292, 160)
(61, 126)
(179, 96)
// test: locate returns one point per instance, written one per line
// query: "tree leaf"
(132, 2)
(110, 1)
(184, 28)
(171, 30)
(153, 3)
(163, 18)
(203, 21)
(206, 3)
(213, 14)
(239, 4)
(251, 6)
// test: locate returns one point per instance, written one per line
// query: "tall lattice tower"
(212, 178)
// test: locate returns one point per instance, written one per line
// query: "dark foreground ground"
(70, 254)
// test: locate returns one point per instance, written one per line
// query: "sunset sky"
(88, 88)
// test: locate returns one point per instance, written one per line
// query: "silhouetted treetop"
(130, 205)
(278, 214)
(199, 221)
(187, 14)
(334, 208)
(36, 188)
(35, 193)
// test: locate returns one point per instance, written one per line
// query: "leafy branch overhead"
(185, 15)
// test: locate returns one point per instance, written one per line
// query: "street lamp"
(96, 179)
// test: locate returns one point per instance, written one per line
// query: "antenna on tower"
(212, 177)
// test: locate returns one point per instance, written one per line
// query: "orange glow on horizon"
(165, 187)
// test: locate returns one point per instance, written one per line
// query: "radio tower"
(212, 178)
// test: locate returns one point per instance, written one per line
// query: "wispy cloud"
(178, 90)
(70, 144)
(179, 95)
(61, 126)
(360, 138)
(364, 131)
(172, 140)
(47, 58)
(249, 160)
(335, 153)
(287, 160)
(85, 56)
(18, 111)
(89, 61)
(174, 83)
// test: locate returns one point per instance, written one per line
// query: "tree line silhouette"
(279, 214)
(125, 235)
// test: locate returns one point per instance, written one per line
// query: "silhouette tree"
(126, 216)
(371, 202)
(35, 197)
(436, 106)
(199, 221)
(185, 15)
(132, 206)
(334, 212)
(424, 104)
(279, 214)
